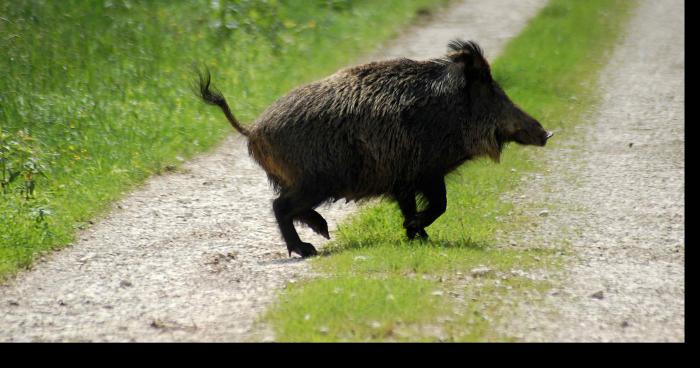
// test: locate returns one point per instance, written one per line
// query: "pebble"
(86, 258)
(481, 271)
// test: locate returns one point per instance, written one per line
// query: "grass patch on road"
(377, 286)
(95, 95)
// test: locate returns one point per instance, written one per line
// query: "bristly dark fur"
(391, 128)
(468, 46)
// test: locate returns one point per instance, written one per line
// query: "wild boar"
(389, 128)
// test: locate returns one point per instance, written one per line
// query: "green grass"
(95, 95)
(550, 70)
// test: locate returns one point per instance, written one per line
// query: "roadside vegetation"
(95, 95)
(377, 286)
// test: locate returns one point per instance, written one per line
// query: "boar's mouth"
(546, 137)
(521, 137)
(525, 137)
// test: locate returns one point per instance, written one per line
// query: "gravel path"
(196, 255)
(625, 211)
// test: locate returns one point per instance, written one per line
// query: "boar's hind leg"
(407, 203)
(436, 194)
(315, 221)
(288, 206)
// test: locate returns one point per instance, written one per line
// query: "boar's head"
(489, 104)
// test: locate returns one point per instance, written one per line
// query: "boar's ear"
(469, 54)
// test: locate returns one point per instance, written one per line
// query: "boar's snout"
(546, 137)
(529, 131)
(538, 134)
(515, 125)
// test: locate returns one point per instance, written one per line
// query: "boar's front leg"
(407, 203)
(436, 195)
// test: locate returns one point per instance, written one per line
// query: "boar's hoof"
(302, 249)
(416, 233)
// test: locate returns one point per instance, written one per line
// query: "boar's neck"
(480, 139)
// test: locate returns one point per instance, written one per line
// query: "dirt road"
(617, 189)
(196, 255)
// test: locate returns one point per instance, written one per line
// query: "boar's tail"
(213, 97)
